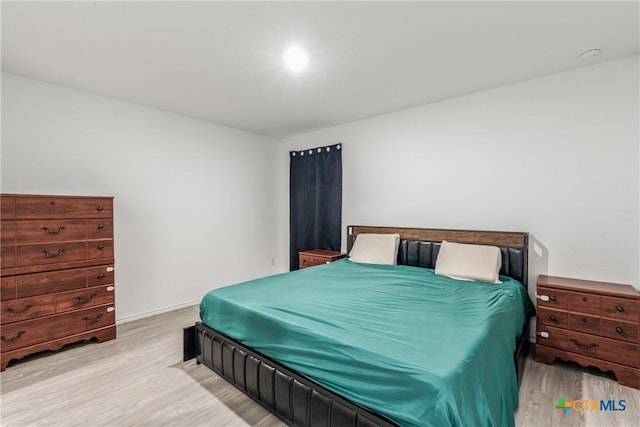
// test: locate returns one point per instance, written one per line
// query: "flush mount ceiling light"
(295, 58)
(590, 53)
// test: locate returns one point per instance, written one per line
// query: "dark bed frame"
(298, 401)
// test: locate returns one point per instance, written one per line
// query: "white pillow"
(375, 249)
(469, 262)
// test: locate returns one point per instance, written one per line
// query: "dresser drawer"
(557, 338)
(51, 253)
(8, 232)
(310, 261)
(83, 298)
(8, 256)
(552, 317)
(621, 352)
(584, 323)
(556, 298)
(49, 208)
(99, 229)
(27, 308)
(620, 330)
(45, 283)
(8, 290)
(100, 249)
(99, 208)
(584, 303)
(51, 230)
(102, 275)
(30, 332)
(7, 207)
(621, 308)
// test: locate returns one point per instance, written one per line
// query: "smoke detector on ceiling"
(590, 53)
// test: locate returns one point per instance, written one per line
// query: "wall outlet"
(537, 249)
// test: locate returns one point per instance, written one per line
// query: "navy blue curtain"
(315, 200)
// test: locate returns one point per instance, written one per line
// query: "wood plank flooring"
(140, 380)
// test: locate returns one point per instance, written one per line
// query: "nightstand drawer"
(313, 257)
(584, 323)
(584, 303)
(551, 317)
(620, 330)
(552, 298)
(309, 261)
(616, 351)
(620, 308)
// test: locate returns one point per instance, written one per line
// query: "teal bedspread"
(418, 348)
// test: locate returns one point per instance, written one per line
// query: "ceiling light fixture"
(590, 53)
(295, 58)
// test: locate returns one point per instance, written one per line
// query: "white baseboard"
(138, 316)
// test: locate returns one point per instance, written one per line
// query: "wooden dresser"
(57, 272)
(318, 256)
(590, 323)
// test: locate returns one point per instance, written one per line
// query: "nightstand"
(589, 323)
(318, 256)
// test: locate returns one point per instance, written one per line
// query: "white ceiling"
(221, 61)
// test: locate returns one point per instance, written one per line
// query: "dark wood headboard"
(419, 247)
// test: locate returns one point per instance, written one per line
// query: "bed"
(361, 344)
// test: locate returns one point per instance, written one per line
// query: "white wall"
(555, 156)
(193, 200)
(195, 208)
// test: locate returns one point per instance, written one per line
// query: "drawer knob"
(47, 254)
(13, 312)
(81, 300)
(101, 276)
(583, 347)
(552, 298)
(47, 231)
(52, 203)
(619, 308)
(100, 208)
(619, 330)
(552, 318)
(100, 226)
(584, 299)
(16, 338)
(584, 320)
(100, 247)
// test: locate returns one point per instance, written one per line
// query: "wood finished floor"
(140, 380)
